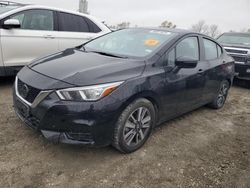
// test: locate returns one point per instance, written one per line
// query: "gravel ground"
(205, 148)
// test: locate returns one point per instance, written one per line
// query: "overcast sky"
(227, 14)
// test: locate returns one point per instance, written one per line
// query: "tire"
(133, 130)
(221, 97)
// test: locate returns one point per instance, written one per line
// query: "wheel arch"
(149, 95)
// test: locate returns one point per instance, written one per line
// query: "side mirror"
(186, 62)
(11, 24)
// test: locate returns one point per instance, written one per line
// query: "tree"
(200, 27)
(123, 25)
(167, 24)
(213, 31)
(248, 30)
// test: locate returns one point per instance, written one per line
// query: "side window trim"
(206, 38)
(167, 56)
(56, 21)
(221, 51)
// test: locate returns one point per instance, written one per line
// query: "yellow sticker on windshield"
(151, 42)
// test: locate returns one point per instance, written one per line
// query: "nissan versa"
(115, 89)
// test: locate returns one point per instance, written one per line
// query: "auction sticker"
(151, 42)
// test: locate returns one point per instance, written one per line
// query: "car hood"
(80, 68)
(236, 45)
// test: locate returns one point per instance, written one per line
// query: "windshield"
(242, 39)
(4, 8)
(130, 42)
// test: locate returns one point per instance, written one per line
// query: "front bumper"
(242, 71)
(83, 123)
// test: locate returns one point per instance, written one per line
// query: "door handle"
(49, 36)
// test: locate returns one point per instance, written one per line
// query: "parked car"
(31, 31)
(238, 46)
(115, 89)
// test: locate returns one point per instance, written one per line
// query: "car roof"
(10, 3)
(22, 7)
(55, 9)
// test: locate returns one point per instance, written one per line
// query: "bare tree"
(167, 24)
(213, 31)
(200, 27)
(123, 25)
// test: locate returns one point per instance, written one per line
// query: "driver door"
(189, 83)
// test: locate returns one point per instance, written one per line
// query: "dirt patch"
(204, 148)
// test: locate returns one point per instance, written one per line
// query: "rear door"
(35, 38)
(75, 30)
(213, 57)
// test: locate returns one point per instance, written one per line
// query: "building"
(83, 6)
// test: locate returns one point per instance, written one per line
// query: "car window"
(188, 48)
(72, 23)
(219, 50)
(92, 26)
(36, 20)
(171, 58)
(211, 51)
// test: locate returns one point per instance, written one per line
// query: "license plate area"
(22, 108)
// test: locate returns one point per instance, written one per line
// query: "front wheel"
(221, 97)
(134, 126)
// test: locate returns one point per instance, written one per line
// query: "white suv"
(28, 32)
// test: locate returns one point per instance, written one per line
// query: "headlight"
(89, 93)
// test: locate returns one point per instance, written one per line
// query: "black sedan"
(117, 88)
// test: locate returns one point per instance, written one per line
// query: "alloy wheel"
(137, 126)
(222, 94)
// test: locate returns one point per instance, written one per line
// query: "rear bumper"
(242, 71)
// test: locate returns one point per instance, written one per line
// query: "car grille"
(237, 51)
(27, 92)
(239, 58)
(29, 119)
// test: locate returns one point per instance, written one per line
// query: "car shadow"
(242, 83)
(6, 81)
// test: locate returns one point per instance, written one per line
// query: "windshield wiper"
(108, 54)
